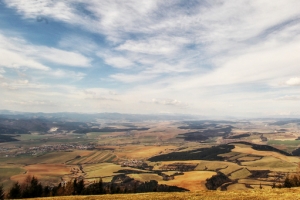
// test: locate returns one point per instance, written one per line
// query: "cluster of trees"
(290, 181)
(33, 188)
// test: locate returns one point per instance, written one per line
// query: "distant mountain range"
(84, 117)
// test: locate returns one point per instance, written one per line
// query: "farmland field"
(192, 181)
(141, 151)
(46, 173)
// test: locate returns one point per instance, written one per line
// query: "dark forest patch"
(296, 152)
(7, 138)
(205, 134)
(216, 181)
(238, 136)
(259, 173)
(211, 153)
(108, 129)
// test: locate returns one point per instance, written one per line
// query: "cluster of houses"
(55, 147)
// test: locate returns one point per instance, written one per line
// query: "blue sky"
(213, 58)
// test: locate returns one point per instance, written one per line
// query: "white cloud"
(295, 81)
(14, 60)
(9, 84)
(289, 98)
(118, 62)
(31, 103)
(58, 10)
(156, 46)
(131, 78)
(169, 102)
(17, 53)
(62, 57)
(66, 74)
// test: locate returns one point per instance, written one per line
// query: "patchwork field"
(94, 157)
(246, 167)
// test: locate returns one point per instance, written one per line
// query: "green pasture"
(95, 135)
(25, 137)
(6, 172)
(51, 158)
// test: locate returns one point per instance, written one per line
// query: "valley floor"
(256, 194)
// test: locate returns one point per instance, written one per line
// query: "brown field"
(44, 172)
(249, 158)
(146, 177)
(192, 181)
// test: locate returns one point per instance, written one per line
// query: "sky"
(205, 57)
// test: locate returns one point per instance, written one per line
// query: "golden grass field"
(141, 151)
(255, 194)
(193, 181)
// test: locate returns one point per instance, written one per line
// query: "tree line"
(32, 188)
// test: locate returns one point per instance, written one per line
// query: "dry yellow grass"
(237, 186)
(141, 152)
(192, 181)
(243, 173)
(269, 162)
(43, 171)
(102, 169)
(256, 194)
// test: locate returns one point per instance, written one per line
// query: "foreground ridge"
(257, 194)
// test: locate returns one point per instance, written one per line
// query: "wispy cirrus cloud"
(242, 52)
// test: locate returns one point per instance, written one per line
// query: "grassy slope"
(228, 195)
